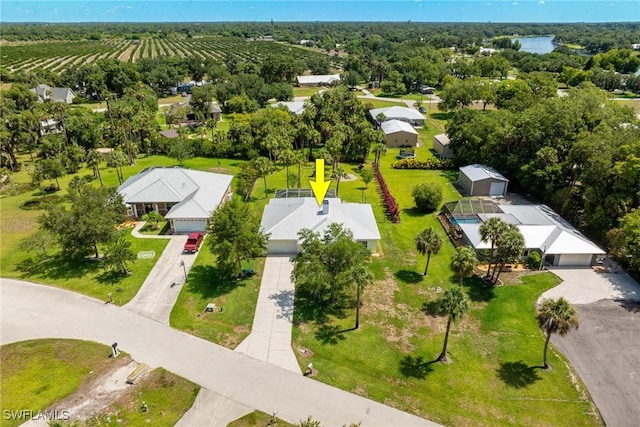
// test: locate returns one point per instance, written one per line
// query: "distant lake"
(535, 44)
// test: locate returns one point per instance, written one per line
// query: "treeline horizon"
(594, 37)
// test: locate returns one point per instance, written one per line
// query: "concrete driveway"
(605, 349)
(159, 292)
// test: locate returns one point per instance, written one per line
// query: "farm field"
(60, 55)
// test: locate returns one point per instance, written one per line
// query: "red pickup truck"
(194, 241)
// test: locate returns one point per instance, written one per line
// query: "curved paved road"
(30, 311)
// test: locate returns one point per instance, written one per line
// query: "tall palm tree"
(428, 242)
(300, 161)
(287, 157)
(93, 160)
(264, 167)
(509, 247)
(454, 304)
(361, 276)
(556, 316)
(338, 174)
(464, 262)
(379, 150)
(490, 231)
(116, 160)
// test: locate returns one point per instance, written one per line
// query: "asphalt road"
(30, 311)
(605, 351)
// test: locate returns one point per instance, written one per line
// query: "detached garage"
(480, 180)
(399, 134)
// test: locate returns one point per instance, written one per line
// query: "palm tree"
(264, 167)
(287, 158)
(300, 161)
(362, 276)
(556, 316)
(379, 150)
(464, 262)
(454, 304)
(428, 242)
(93, 160)
(338, 174)
(490, 231)
(509, 247)
(116, 160)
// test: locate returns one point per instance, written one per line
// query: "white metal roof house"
(55, 94)
(398, 133)
(481, 180)
(441, 145)
(295, 107)
(318, 80)
(543, 230)
(284, 218)
(405, 114)
(185, 197)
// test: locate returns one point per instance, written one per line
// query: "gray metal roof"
(196, 194)
(397, 112)
(478, 172)
(395, 126)
(442, 138)
(284, 218)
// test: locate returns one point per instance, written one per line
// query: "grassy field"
(38, 373)
(306, 91)
(83, 276)
(381, 103)
(259, 419)
(237, 298)
(633, 103)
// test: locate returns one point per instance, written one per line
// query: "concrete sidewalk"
(270, 337)
(30, 311)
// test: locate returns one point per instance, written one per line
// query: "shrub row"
(431, 163)
(390, 204)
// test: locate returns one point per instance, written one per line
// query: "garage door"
(282, 247)
(497, 188)
(184, 226)
(574, 260)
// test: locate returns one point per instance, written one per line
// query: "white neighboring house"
(55, 94)
(185, 197)
(318, 80)
(399, 134)
(543, 230)
(295, 107)
(284, 218)
(405, 114)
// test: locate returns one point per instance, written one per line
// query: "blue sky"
(316, 10)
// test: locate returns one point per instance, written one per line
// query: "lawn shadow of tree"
(308, 308)
(442, 116)
(450, 175)
(409, 277)
(414, 212)
(210, 282)
(330, 334)
(415, 367)
(430, 308)
(110, 277)
(518, 374)
(478, 289)
(59, 266)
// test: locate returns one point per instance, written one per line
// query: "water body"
(535, 44)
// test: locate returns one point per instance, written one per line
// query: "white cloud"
(541, 2)
(515, 3)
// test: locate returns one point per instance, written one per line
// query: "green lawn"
(237, 298)
(381, 103)
(305, 91)
(632, 103)
(38, 373)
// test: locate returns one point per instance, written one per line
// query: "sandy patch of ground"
(99, 393)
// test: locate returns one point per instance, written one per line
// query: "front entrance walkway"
(270, 337)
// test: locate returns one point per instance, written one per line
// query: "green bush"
(431, 163)
(533, 260)
(427, 196)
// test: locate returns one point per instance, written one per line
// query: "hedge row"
(431, 163)
(390, 204)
